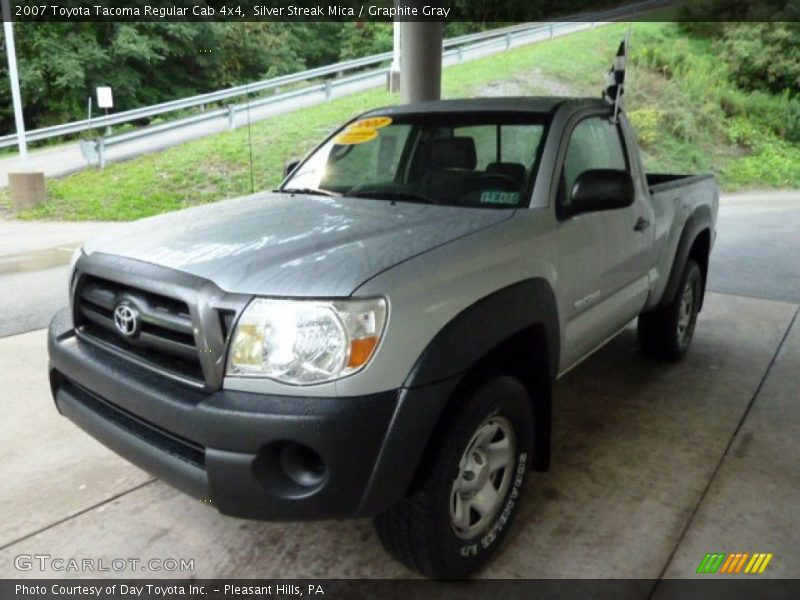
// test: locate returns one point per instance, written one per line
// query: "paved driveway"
(758, 247)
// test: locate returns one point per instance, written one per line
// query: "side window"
(595, 144)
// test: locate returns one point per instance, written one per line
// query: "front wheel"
(469, 487)
(666, 333)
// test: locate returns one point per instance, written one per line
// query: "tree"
(763, 56)
(364, 38)
(61, 63)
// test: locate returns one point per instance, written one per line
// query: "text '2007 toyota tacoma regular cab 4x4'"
(380, 335)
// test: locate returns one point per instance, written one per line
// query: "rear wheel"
(666, 333)
(469, 486)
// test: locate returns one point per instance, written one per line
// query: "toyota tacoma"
(380, 335)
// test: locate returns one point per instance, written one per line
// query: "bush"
(647, 122)
(763, 56)
(692, 112)
(779, 113)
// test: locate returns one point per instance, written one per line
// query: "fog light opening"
(302, 465)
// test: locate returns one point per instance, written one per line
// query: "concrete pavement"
(48, 473)
(18, 238)
(33, 268)
(638, 446)
(756, 487)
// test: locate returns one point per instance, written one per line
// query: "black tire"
(419, 530)
(666, 333)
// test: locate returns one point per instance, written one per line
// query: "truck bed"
(661, 182)
(675, 199)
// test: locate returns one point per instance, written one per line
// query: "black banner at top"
(485, 11)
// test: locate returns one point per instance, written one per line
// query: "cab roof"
(529, 104)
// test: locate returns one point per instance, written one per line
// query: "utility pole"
(16, 97)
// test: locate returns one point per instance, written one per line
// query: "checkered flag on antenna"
(615, 80)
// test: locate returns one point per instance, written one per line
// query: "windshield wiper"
(309, 191)
(392, 195)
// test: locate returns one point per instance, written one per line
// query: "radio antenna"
(249, 131)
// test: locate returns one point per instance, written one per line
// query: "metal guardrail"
(95, 150)
(460, 47)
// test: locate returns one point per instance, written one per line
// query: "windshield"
(472, 159)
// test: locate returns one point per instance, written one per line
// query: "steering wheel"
(506, 183)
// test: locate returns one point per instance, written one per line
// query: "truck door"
(603, 255)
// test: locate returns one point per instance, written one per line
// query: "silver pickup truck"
(380, 336)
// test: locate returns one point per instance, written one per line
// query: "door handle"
(641, 224)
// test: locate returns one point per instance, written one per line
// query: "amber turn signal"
(360, 351)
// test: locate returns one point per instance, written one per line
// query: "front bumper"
(229, 448)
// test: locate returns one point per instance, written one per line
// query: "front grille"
(164, 338)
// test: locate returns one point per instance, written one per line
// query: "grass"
(684, 121)
(201, 171)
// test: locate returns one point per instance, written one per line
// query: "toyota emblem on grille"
(126, 319)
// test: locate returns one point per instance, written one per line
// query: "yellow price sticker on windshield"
(356, 136)
(370, 123)
(363, 130)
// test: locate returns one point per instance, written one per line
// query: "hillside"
(688, 114)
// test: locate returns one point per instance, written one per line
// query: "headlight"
(305, 341)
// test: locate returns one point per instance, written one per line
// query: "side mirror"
(290, 167)
(601, 189)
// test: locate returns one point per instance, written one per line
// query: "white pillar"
(16, 97)
(421, 62)
(396, 46)
(394, 70)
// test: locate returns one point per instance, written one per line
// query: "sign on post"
(104, 97)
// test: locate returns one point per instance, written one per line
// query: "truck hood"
(282, 245)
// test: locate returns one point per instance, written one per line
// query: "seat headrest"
(455, 153)
(514, 170)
